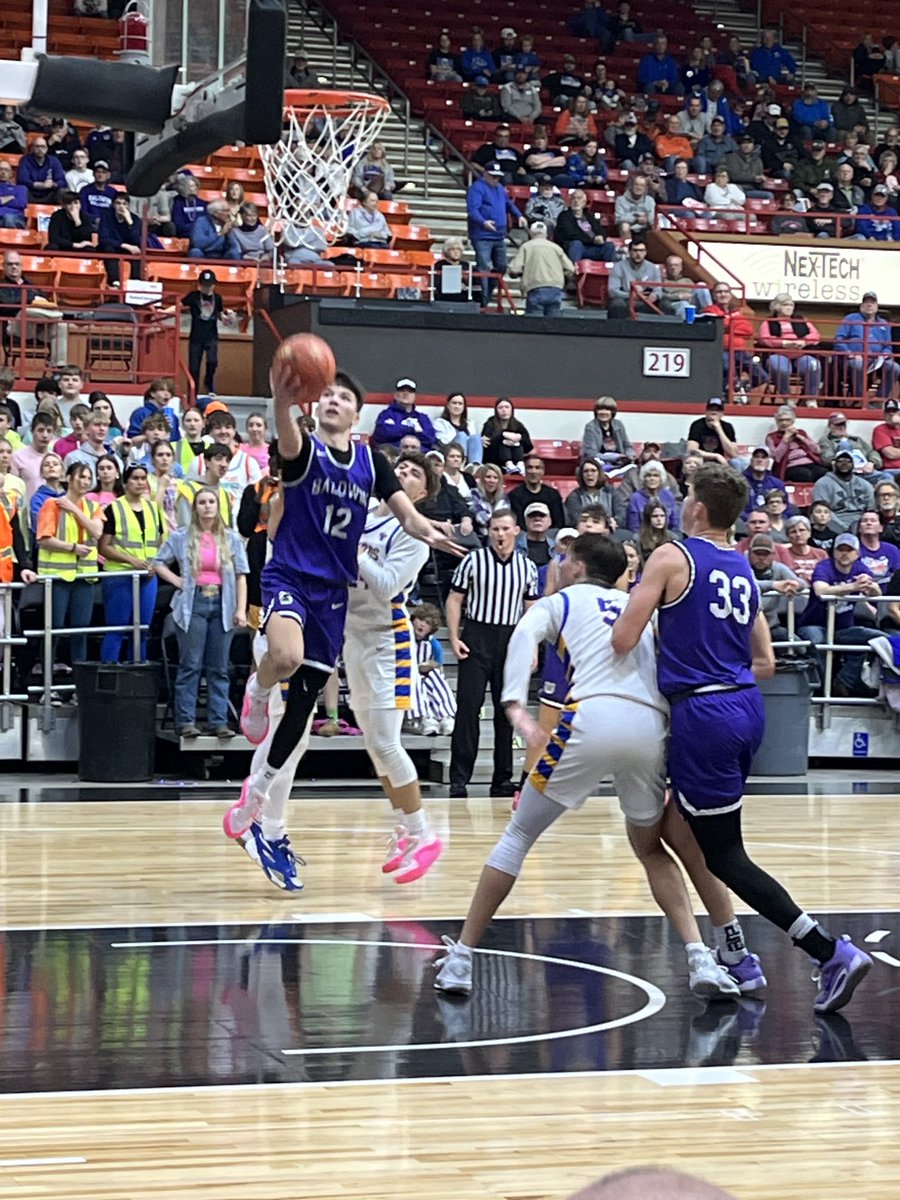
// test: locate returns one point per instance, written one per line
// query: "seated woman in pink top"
(784, 332)
(256, 445)
(795, 456)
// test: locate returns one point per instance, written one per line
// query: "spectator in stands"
(488, 497)
(12, 135)
(156, 401)
(847, 494)
(631, 481)
(459, 291)
(594, 490)
(367, 226)
(770, 61)
(217, 458)
(868, 59)
(63, 141)
(373, 173)
(680, 190)
(671, 144)
(500, 153)
(210, 602)
(725, 198)
(786, 331)
(187, 205)
(401, 417)
(520, 99)
(121, 232)
(242, 468)
(776, 506)
(653, 530)
(505, 56)
(737, 340)
(66, 536)
(865, 339)
(760, 480)
(624, 27)
(505, 439)
(297, 73)
(848, 114)
(442, 64)
(656, 184)
(757, 523)
(775, 581)
(544, 269)
(575, 125)
(581, 234)
(635, 211)
(477, 60)
(452, 428)
(886, 437)
(40, 173)
(212, 233)
(234, 198)
(652, 489)
(781, 153)
(69, 229)
(536, 541)
(563, 86)
(7, 381)
(793, 220)
(207, 309)
(586, 168)
(713, 438)
(479, 104)
(97, 197)
(607, 95)
(605, 439)
(817, 167)
(891, 142)
(52, 475)
(745, 168)
(533, 491)
(693, 122)
(133, 531)
(658, 71)
(842, 575)
(866, 461)
(879, 557)
(812, 116)
(847, 195)
(27, 462)
(795, 455)
(13, 200)
(73, 439)
(695, 74)
(635, 269)
(545, 205)
(681, 292)
(527, 60)
(798, 554)
(631, 145)
(107, 145)
(822, 220)
(822, 532)
(738, 60)
(488, 207)
(253, 240)
(163, 476)
(93, 447)
(79, 174)
(887, 502)
(878, 219)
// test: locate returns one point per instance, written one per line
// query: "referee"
(498, 584)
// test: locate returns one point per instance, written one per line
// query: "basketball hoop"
(308, 172)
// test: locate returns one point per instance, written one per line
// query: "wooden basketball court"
(173, 1026)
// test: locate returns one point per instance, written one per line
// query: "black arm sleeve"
(23, 562)
(248, 513)
(293, 469)
(386, 482)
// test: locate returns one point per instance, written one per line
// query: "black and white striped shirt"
(495, 590)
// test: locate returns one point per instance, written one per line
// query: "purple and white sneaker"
(839, 977)
(747, 974)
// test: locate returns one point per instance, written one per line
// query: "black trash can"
(785, 744)
(116, 721)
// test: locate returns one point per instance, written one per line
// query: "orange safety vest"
(8, 510)
(264, 497)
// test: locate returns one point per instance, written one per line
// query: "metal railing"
(752, 221)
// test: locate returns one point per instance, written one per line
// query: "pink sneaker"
(241, 816)
(418, 858)
(396, 850)
(254, 714)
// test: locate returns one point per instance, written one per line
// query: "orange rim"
(340, 103)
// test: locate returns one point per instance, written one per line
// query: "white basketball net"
(308, 172)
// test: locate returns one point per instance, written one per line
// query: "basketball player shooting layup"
(613, 721)
(327, 482)
(714, 644)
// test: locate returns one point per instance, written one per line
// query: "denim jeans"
(203, 649)
(544, 302)
(780, 366)
(605, 253)
(489, 256)
(851, 665)
(471, 444)
(117, 607)
(890, 373)
(12, 220)
(72, 608)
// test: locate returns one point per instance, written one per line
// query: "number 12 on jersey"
(336, 520)
(733, 597)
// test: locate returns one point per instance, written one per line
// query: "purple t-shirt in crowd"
(881, 562)
(815, 612)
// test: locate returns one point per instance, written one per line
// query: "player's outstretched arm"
(660, 571)
(287, 391)
(420, 527)
(763, 663)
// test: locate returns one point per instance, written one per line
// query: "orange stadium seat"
(318, 281)
(81, 282)
(40, 270)
(25, 239)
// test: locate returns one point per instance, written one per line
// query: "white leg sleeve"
(534, 815)
(381, 734)
(280, 788)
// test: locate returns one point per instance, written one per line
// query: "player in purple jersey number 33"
(714, 644)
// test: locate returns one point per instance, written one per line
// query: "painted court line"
(41, 1162)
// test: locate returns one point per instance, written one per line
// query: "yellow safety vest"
(64, 563)
(184, 455)
(128, 535)
(190, 487)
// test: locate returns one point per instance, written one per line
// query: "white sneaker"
(455, 969)
(429, 728)
(708, 979)
(445, 726)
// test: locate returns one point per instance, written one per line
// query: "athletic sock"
(268, 774)
(416, 823)
(272, 829)
(331, 714)
(730, 942)
(692, 948)
(257, 691)
(812, 939)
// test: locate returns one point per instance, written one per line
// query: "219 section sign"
(667, 363)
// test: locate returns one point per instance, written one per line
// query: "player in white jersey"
(381, 667)
(614, 722)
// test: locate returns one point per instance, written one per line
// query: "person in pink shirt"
(798, 554)
(71, 441)
(256, 445)
(795, 456)
(784, 332)
(26, 462)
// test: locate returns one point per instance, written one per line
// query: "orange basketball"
(313, 361)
